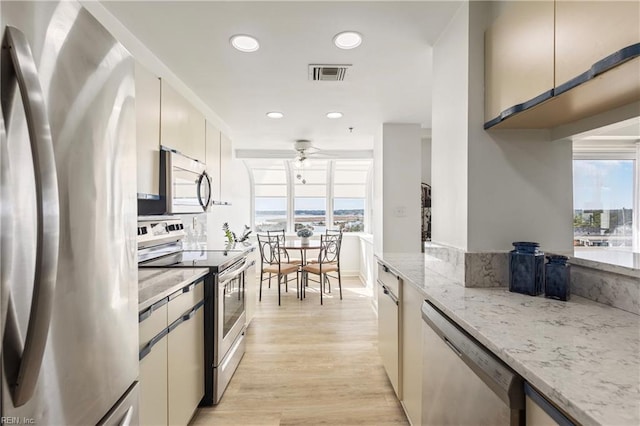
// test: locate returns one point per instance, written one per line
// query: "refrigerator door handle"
(48, 209)
(6, 229)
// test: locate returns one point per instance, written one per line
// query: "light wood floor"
(310, 364)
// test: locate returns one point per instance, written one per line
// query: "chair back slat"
(329, 248)
(269, 247)
(281, 243)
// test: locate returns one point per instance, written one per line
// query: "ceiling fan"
(305, 150)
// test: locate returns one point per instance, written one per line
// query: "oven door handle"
(228, 276)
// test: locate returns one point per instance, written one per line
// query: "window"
(603, 200)
(334, 192)
(349, 194)
(310, 196)
(270, 195)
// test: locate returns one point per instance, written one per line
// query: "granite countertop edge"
(466, 306)
(158, 283)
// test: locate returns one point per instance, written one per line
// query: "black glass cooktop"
(216, 260)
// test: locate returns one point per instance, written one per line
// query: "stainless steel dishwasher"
(463, 383)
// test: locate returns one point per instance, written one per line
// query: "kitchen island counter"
(155, 284)
(583, 356)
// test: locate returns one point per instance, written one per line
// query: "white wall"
(401, 175)
(426, 160)
(520, 183)
(378, 223)
(490, 188)
(236, 188)
(449, 133)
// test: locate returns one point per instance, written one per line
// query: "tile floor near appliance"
(309, 364)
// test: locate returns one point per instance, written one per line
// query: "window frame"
(329, 216)
(604, 151)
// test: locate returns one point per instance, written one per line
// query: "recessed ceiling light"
(335, 114)
(275, 114)
(244, 43)
(347, 40)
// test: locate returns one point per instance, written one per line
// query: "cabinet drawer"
(184, 300)
(389, 279)
(152, 325)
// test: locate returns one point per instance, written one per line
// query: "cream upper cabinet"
(519, 57)
(182, 126)
(226, 158)
(147, 131)
(588, 31)
(213, 159)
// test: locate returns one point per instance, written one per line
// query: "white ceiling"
(390, 80)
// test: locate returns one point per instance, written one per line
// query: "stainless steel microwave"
(184, 184)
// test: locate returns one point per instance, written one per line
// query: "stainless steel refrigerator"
(68, 205)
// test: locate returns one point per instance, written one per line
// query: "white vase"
(304, 241)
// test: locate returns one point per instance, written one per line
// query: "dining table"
(303, 247)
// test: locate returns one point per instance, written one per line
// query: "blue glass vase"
(526, 268)
(557, 283)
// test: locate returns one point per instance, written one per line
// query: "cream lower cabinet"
(389, 326)
(251, 286)
(172, 357)
(185, 365)
(412, 353)
(153, 366)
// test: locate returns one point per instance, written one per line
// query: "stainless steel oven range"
(160, 246)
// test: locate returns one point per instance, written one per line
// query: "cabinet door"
(251, 286)
(212, 136)
(182, 126)
(153, 386)
(185, 368)
(153, 370)
(412, 353)
(388, 338)
(519, 57)
(225, 167)
(147, 130)
(588, 31)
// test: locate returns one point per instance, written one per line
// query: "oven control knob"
(171, 227)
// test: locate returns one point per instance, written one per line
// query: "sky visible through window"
(602, 184)
(603, 203)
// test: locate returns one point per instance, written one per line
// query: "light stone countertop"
(157, 283)
(584, 356)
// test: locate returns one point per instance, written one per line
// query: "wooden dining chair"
(271, 263)
(327, 263)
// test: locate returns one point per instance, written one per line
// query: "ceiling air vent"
(319, 72)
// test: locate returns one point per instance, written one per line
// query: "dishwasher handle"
(501, 379)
